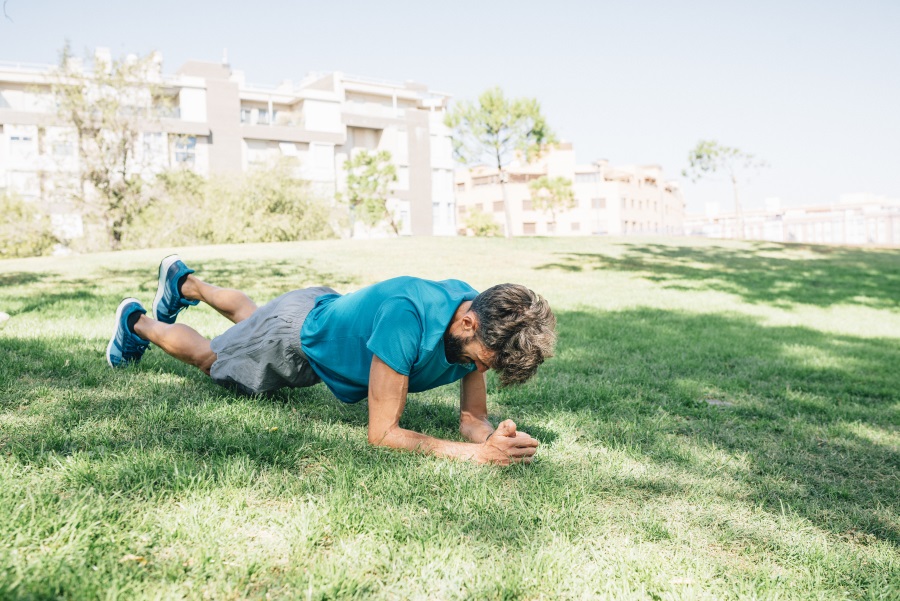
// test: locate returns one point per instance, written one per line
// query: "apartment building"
(862, 219)
(608, 200)
(216, 122)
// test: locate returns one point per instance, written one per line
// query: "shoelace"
(131, 344)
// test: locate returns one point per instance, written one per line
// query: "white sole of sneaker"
(112, 338)
(161, 286)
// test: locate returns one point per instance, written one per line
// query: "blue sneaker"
(125, 346)
(169, 301)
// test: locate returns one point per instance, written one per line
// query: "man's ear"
(470, 322)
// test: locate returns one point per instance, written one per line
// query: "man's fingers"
(506, 428)
(519, 442)
(522, 452)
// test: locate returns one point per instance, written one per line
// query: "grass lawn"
(722, 421)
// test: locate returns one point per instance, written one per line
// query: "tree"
(552, 194)
(369, 178)
(708, 157)
(493, 129)
(107, 110)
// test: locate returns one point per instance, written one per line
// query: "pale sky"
(811, 87)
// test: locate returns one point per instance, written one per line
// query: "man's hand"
(506, 446)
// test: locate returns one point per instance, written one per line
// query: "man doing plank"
(402, 335)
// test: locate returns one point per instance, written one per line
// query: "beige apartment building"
(862, 219)
(608, 200)
(219, 123)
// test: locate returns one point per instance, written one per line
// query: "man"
(401, 335)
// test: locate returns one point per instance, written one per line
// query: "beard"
(453, 348)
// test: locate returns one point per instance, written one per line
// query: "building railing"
(20, 66)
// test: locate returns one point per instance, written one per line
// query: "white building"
(219, 123)
(608, 200)
(855, 219)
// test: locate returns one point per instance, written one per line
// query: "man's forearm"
(400, 438)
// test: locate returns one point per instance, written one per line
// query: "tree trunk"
(739, 217)
(506, 210)
(507, 214)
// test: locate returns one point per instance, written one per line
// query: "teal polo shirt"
(401, 320)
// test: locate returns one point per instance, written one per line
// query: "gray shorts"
(262, 353)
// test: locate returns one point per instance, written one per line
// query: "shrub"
(25, 231)
(265, 205)
(482, 224)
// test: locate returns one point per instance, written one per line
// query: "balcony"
(254, 116)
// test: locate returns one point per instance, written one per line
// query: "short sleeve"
(397, 334)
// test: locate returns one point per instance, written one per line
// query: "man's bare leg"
(185, 343)
(182, 342)
(233, 304)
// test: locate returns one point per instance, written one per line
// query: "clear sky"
(811, 87)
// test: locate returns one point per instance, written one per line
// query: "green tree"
(369, 179)
(493, 129)
(709, 157)
(107, 110)
(552, 194)
(482, 224)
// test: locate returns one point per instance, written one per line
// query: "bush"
(265, 205)
(482, 224)
(25, 231)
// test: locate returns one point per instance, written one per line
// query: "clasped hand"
(506, 446)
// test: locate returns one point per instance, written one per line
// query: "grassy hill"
(722, 420)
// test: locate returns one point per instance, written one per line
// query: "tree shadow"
(763, 273)
(807, 420)
(21, 278)
(243, 274)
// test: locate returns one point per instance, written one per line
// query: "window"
(527, 205)
(462, 209)
(576, 226)
(263, 118)
(22, 146)
(245, 115)
(551, 228)
(479, 206)
(598, 203)
(498, 206)
(460, 186)
(586, 178)
(529, 229)
(186, 150)
(154, 146)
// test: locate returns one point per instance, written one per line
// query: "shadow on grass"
(21, 278)
(765, 273)
(804, 421)
(285, 275)
(800, 419)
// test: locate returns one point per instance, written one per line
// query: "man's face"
(467, 351)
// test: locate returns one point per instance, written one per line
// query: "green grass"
(722, 421)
